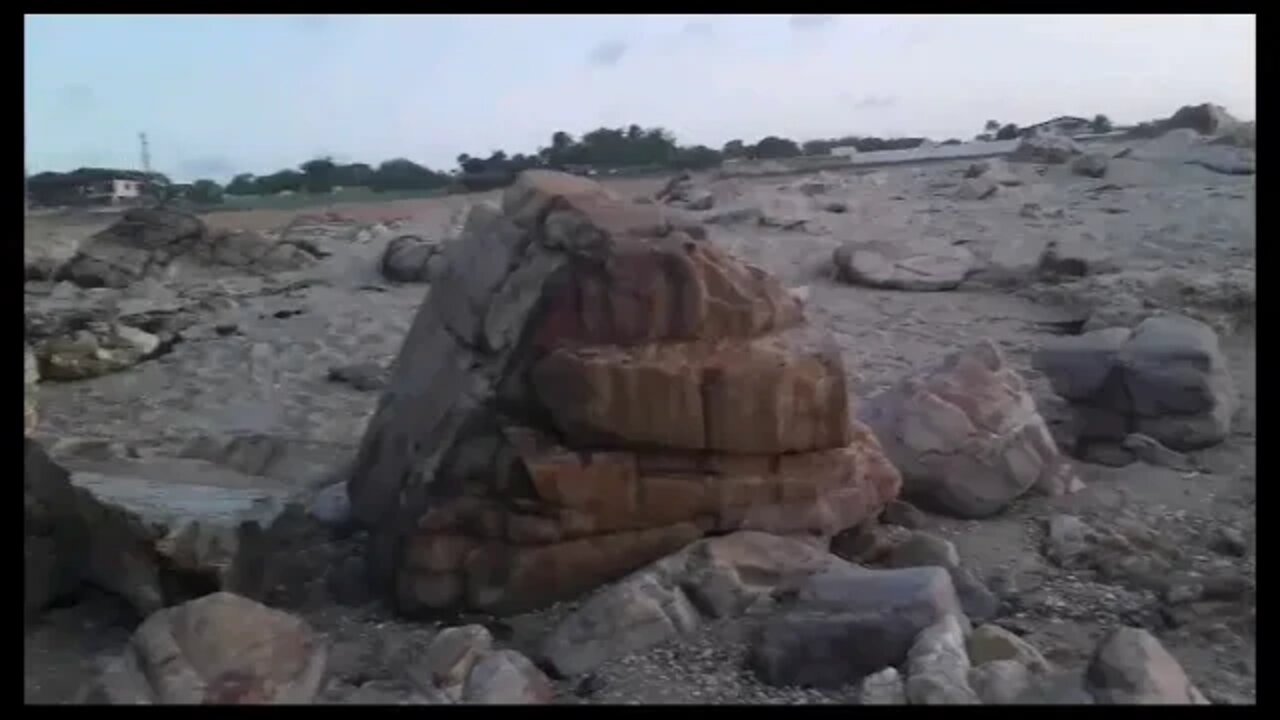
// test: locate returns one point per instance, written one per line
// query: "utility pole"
(146, 153)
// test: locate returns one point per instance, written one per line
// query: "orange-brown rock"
(591, 385)
(778, 393)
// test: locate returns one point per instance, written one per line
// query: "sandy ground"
(269, 377)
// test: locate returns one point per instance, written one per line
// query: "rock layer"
(588, 387)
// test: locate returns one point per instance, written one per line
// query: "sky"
(222, 94)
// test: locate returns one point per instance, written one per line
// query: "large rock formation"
(589, 387)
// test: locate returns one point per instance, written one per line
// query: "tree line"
(600, 151)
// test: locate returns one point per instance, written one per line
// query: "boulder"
(922, 549)
(848, 622)
(1046, 149)
(411, 259)
(449, 659)
(976, 188)
(717, 577)
(221, 649)
(1131, 667)
(506, 677)
(992, 643)
(907, 264)
(1000, 682)
(1091, 165)
(70, 539)
(938, 668)
(1167, 379)
(589, 387)
(883, 688)
(967, 437)
(99, 348)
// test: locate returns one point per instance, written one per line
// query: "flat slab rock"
(196, 516)
(904, 264)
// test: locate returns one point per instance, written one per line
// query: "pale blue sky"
(225, 94)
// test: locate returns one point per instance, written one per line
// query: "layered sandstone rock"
(591, 386)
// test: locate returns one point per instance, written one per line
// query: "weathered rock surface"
(682, 388)
(966, 435)
(1166, 379)
(450, 658)
(221, 649)
(937, 666)
(1047, 149)
(1131, 667)
(1000, 682)
(1205, 118)
(1091, 165)
(906, 264)
(883, 688)
(412, 259)
(99, 348)
(977, 188)
(30, 391)
(848, 622)
(69, 539)
(153, 242)
(717, 577)
(506, 677)
(992, 643)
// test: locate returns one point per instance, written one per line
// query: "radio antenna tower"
(146, 153)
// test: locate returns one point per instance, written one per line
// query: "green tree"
(991, 126)
(205, 192)
(1101, 124)
(319, 175)
(734, 149)
(775, 147)
(242, 184)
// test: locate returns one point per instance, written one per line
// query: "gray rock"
(976, 599)
(992, 643)
(868, 544)
(1000, 682)
(100, 348)
(719, 577)
(406, 259)
(922, 549)
(1131, 667)
(1150, 451)
(449, 659)
(1061, 688)
(849, 622)
(1047, 149)
(976, 188)
(331, 506)
(1068, 540)
(1091, 165)
(917, 263)
(31, 376)
(1079, 366)
(506, 677)
(882, 688)
(903, 514)
(1174, 366)
(966, 435)
(938, 668)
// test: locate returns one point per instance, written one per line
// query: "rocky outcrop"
(589, 387)
(1166, 379)
(31, 400)
(1205, 118)
(967, 436)
(1091, 165)
(412, 259)
(98, 348)
(1046, 148)
(152, 242)
(221, 649)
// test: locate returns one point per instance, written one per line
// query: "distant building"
(1067, 125)
(87, 186)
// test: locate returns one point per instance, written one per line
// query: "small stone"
(992, 643)
(1230, 541)
(922, 549)
(361, 376)
(882, 688)
(938, 667)
(506, 677)
(1068, 539)
(449, 659)
(904, 514)
(869, 543)
(1131, 667)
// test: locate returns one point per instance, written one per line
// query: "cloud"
(811, 22)
(607, 54)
